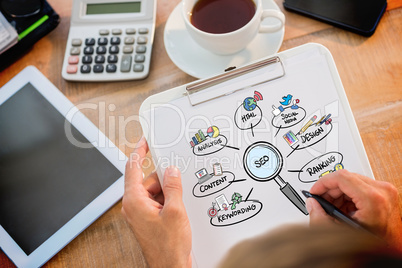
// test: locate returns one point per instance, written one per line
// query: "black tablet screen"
(45, 179)
(359, 16)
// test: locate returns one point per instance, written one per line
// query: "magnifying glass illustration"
(263, 162)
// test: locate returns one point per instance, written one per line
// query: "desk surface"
(370, 69)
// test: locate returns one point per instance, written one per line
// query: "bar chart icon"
(198, 138)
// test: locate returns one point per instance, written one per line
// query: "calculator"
(109, 40)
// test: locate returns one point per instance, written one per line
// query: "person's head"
(312, 247)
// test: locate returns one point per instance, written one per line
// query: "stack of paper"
(8, 35)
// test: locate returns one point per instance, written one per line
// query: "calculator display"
(113, 8)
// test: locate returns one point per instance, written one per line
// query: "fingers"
(334, 185)
(172, 188)
(134, 173)
(133, 190)
(333, 194)
(317, 214)
(152, 184)
(160, 198)
(360, 197)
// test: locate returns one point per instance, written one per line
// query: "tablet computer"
(58, 171)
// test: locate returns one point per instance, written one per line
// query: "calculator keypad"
(73, 60)
(111, 68)
(113, 50)
(87, 59)
(99, 59)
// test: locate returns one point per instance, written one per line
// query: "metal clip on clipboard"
(232, 81)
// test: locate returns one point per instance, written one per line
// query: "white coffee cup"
(232, 42)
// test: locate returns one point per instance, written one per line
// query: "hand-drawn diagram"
(248, 115)
(263, 162)
(309, 134)
(320, 166)
(211, 143)
(223, 213)
(211, 183)
(288, 114)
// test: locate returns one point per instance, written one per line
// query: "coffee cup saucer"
(196, 61)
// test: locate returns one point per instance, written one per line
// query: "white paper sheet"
(8, 35)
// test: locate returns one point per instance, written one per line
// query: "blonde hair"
(316, 247)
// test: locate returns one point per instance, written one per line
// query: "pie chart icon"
(213, 131)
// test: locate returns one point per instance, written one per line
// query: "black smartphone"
(358, 16)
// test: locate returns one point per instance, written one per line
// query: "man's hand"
(157, 215)
(374, 204)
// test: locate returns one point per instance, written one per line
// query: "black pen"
(333, 211)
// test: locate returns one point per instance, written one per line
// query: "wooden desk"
(370, 68)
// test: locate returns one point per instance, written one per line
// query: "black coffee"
(222, 16)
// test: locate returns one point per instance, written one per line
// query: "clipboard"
(281, 122)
